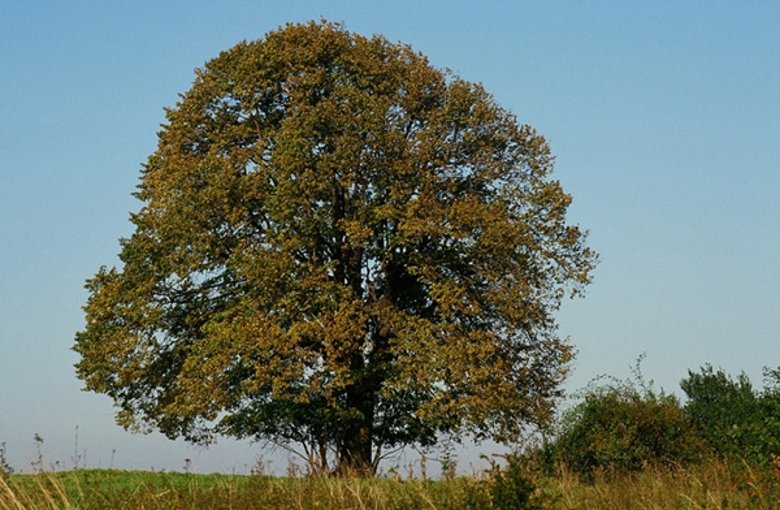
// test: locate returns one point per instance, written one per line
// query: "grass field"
(710, 486)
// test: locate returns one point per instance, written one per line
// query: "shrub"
(512, 488)
(617, 427)
(736, 420)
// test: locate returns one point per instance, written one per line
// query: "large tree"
(340, 247)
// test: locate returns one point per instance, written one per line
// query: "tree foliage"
(340, 246)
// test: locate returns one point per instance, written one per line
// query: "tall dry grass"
(39, 492)
(91, 490)
(711, 486)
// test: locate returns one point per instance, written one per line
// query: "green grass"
(103, 489)
(711, 486)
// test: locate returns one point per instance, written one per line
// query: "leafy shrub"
(770, 413)
(512, 487)
(618, 427)
(736, 420)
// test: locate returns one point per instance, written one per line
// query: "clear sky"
(664, 117)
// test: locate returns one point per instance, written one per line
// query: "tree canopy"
(341, 247)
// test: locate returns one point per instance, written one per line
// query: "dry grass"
(157, 491)
(712, 486)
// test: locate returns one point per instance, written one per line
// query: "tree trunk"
(355, 456)
(355, 451)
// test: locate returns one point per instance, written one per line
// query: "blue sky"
(664, 117)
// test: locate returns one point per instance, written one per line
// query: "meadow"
(624, 446)
(712, 485)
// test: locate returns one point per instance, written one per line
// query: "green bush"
(770, 413)
(737, 421)
(512, 488)
(620, 428)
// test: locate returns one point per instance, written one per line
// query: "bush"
(620, 428)
(737, 421)
(512, 488)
